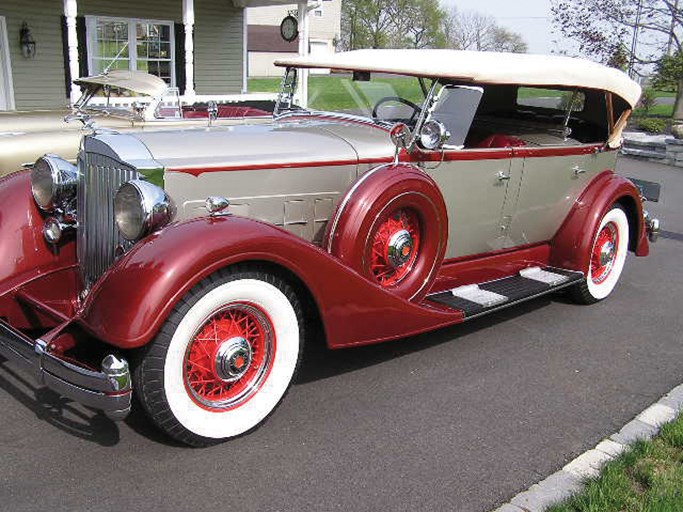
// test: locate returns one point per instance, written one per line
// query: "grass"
(647, 478)
(656, 111)
(342, 93)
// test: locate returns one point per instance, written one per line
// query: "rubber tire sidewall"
(600, 291)
(232, 422)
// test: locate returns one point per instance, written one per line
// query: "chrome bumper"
(652, 225)
(108, 390)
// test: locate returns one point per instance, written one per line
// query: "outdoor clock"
(289, 29)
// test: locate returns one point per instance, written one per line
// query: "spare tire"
(392, 228)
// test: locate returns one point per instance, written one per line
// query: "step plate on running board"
(479, 299)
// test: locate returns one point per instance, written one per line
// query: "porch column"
(70, 12)
(303, 52)
(188, 21)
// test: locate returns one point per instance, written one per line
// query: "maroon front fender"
(571, 246)
(131, 301)
(27, 261)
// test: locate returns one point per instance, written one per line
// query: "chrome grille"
(98, 237)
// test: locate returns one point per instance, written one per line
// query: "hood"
(288, 143)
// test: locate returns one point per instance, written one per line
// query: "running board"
(479, 299)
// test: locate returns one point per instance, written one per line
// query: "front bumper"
(108, 390)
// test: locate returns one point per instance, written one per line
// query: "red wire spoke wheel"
(607, 258)
(224, 358)
(229, 357)
(395, 247)
(392, 227)
(604, 253)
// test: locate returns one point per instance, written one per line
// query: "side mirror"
(401, 137)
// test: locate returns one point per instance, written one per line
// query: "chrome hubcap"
(607, 253)
(233, 359)
(400, 248)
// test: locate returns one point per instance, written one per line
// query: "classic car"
(119, 100)
(446, 186)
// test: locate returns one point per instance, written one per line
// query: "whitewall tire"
(227, 355)
(607, 257)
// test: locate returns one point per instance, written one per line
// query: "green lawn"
(656, 111)
(342, 93)
(648, 478)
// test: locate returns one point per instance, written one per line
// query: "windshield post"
(285, 98)
(427, 108)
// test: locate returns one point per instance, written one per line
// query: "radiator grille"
(98, 237)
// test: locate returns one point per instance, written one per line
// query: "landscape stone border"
(569, 480)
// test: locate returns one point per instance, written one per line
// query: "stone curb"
(570, 479)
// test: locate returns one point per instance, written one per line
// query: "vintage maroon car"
(444, 186)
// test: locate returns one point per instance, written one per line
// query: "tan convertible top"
(136, 81)
(480, 67)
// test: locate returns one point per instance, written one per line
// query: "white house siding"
(38, 82)
(261, 63)
(218, 43)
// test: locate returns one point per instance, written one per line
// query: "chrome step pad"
(479, 299)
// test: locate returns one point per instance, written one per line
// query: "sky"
(530, 18)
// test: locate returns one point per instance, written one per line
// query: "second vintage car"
(120, 100)
(423, 188)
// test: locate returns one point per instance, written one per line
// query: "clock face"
(289, 29)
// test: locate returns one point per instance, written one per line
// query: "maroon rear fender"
(131, 301)
(572, 244)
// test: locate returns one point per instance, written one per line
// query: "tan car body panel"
(25, 136)
(269, 174)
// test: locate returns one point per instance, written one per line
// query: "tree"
(471, 30)
(418, 24)
(669, 77)
(640, 32)
(391, 24)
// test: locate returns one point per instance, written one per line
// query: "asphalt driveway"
(458, 420)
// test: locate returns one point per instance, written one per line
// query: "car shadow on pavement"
(319, 362)
(60, 412)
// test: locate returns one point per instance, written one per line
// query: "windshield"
(381, 97)
(122, 102)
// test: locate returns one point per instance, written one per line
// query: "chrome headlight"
(53, 182)
(433, 135)
(140, 208)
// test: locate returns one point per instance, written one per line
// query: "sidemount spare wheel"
(607, 257)
(392, 228)
(224, 358)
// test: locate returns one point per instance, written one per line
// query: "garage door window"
(142, 45)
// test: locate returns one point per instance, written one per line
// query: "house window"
(142, 45)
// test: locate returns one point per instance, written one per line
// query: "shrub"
(647, 100)
(652, 125)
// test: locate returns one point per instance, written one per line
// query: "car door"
(475, 185)
(552, 178)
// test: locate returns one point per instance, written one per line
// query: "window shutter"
(82, 46)
(179, 29)
(65, 55)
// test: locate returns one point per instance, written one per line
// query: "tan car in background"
(117, 100)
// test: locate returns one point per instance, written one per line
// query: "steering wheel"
(398, 99)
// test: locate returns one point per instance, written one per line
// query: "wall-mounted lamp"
(28, 44)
